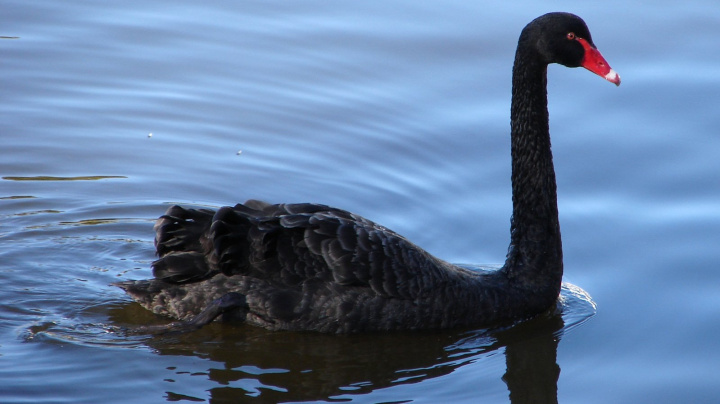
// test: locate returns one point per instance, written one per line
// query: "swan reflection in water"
(257, 365)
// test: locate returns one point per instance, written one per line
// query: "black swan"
(313, 267)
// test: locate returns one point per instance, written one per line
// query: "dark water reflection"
(531, 354)
(292, 367)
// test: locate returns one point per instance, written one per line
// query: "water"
(398, 111)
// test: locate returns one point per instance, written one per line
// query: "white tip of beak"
(613, 77)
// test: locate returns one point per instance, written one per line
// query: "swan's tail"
(158, 297)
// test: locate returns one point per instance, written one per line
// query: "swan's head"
(565, 39)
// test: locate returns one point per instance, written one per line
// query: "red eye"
(571, 35)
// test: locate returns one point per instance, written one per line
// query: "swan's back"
(302, 266)
(288, 244)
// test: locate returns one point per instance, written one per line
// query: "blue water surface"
(396, 110)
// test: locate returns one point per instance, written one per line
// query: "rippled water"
(398, 111)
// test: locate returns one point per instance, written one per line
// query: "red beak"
(595, 62)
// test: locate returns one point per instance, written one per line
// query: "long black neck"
(534, 260)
